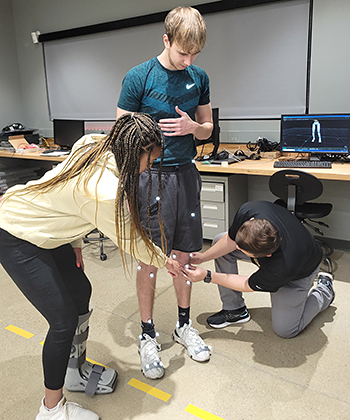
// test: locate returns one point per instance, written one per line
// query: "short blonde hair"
(186, 27)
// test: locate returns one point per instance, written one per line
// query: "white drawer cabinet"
(221, 197)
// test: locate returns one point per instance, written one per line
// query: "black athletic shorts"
(180, 203)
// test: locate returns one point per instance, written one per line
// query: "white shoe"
(189, 337)
(151, 366)
(65, 410)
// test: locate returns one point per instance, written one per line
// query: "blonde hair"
(186, 27)
(130, 137)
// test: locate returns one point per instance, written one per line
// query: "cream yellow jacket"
(65, 215)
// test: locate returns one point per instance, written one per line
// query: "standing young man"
(288, 258)
(176, 93)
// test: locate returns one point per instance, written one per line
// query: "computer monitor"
(318, 134)
(214, 138)
(67, 132)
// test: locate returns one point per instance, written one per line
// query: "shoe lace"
(151, 349)
(191, 336)
(70, 406)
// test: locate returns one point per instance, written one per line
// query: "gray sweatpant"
(293, 306)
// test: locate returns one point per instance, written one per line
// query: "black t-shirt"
(296, 258)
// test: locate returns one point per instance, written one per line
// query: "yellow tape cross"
(161, 395)
(202, 414)
(19, 331)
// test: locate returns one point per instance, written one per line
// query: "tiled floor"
(252, 374)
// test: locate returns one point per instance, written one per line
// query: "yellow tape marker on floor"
(97, 363)
(149, 389)
(19, 331)
(198, 412)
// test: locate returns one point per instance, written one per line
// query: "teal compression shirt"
(155, 90)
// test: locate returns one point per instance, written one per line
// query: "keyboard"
(302, 164)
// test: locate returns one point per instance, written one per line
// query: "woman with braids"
(41, 228)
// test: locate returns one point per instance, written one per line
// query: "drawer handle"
(206, 207)
(208, 189)
(214, 188)
(210, 225)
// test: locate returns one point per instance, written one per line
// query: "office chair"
(294, 188)
(100, 238)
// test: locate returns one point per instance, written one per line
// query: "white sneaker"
(65, 410)
(189, 337)
(151, 366)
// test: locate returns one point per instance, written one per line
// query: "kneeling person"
(288, 259)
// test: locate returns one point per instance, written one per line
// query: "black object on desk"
(220, 161)
(48, 151)
(302, 164)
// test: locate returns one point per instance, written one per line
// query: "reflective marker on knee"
(187, 281)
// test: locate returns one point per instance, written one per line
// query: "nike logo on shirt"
(188, 86)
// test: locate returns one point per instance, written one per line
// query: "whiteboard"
(256, 59)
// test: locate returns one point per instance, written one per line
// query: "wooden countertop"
(36, 155)
(264, 166)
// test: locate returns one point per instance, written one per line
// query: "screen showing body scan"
(318, 133)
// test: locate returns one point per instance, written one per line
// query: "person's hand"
(173, 267)
(177, 126)
(193, 274)
(79, 258)
(196, 258)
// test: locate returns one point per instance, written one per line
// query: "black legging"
(60, 291)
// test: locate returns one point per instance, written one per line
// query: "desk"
(264, 166)
(246, 186)
(32, 156)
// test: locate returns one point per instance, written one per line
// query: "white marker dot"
(193, 214)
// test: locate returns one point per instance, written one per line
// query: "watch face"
(207, 278)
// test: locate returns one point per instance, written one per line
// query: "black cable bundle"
(263, 145)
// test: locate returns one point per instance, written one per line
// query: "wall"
(54, 15)
(330, 85)
(10, 92)
(330, 64)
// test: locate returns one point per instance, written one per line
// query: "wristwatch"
(207, 278)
